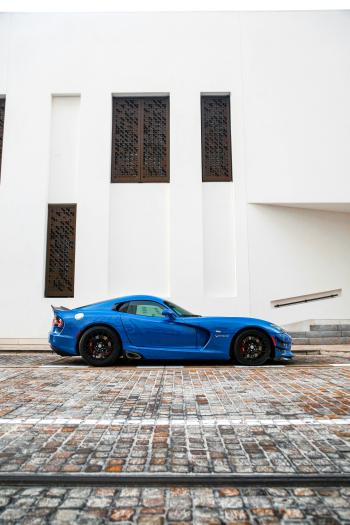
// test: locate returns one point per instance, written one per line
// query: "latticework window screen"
(140, 139)
(216, 138)
(60, 250)
(2, 120)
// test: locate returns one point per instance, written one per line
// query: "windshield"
(181, 312)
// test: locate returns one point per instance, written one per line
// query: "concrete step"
(321, 340)
(297, 334)
(330, 327)
(325, 334)
(318, 334)
(332, 350)
(305, 350)
(328, 333)
(25, 348)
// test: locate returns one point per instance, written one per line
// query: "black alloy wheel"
(100, 346)
(252, 347)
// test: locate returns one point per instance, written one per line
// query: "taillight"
(57, 321)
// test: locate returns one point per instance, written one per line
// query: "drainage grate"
(189, 480)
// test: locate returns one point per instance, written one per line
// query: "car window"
(181, 312)
(151, 310)
(122, 308)
(147, 308)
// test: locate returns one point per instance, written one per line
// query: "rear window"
(123, 307)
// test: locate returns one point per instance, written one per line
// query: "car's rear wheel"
(252, 347)
(100, 346)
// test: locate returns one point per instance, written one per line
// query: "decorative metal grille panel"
(2, 120)
(216, 138)
(60, 251)
(140, 139)
(155, 139)
(125, 139)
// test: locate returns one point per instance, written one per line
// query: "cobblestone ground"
(152, 506)
(60, 416)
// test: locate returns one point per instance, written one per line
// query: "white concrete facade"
(280, 229)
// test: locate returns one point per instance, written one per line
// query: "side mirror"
(168, 313)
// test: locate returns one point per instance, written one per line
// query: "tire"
(100, 346)
(252, 348)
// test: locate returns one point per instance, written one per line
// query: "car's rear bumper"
(62, 344)
(59, 352)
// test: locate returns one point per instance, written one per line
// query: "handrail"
(307, 298)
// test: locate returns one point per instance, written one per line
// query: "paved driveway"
(60, 417)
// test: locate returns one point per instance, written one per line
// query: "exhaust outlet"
(133, 355)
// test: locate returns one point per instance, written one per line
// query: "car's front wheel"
(100, 346)
(252, 347)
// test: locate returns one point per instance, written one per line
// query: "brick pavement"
(58, 415)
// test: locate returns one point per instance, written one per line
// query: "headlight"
(278, 328)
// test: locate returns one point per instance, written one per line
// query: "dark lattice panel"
(216, 138)
(2, 119)
(125, 140)
(60, 254)
(155, 139)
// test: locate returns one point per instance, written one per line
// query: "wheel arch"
(91, 325)
(252, 327)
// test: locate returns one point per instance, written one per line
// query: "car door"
(151, 332)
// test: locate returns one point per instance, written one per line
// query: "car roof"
(109, 303)
(138, 298)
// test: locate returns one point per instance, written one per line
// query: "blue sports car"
(147, 327)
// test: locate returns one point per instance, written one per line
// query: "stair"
(323, 334)
(24, 345)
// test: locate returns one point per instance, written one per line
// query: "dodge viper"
(147, 327)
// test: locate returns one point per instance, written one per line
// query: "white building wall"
(288, 77)
(64, 149)
(293, 252)
(296, 78)
(139, 239)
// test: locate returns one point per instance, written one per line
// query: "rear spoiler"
(55, 308)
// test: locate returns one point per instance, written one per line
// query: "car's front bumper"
(283, 347)
(284, 355)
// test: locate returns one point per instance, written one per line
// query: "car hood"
(231, 325)
(225, 322)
